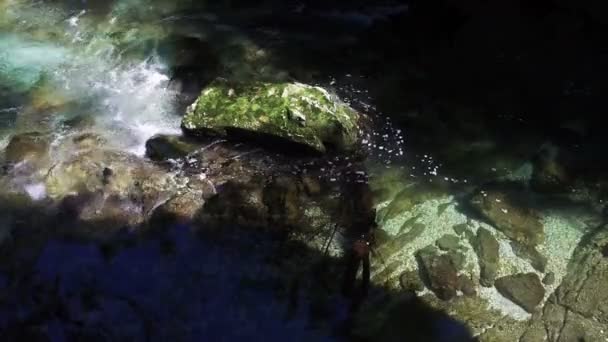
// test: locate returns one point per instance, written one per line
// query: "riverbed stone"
(516, 220)
(549, 278)
(487, 250)
(440, 273)
(466, 285)
(524, 289)
(536, 259)
(293, 112)
(448, 242)
(410, 281)
(460, 228)
(407, 198)
(395, 244)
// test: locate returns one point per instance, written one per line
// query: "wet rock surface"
(524, 289)
(31, 146)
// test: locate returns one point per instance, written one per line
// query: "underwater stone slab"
(537, 260)
(448, 242)
(294, 112)
(515, 220)
(523, 289)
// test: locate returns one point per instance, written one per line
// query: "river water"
(124, 71)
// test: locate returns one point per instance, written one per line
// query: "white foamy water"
(128, 97)
(131, 101)
(36, 191)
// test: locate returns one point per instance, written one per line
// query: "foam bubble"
(36, 191)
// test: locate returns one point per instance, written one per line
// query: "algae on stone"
(295, 112)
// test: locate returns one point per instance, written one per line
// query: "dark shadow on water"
(176, 284)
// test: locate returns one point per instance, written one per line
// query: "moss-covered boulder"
(294, 112)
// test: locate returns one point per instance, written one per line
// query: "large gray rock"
(523, 289)
(578, 310)
(486, 248)
(584, 290)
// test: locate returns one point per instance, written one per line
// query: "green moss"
(296, 112)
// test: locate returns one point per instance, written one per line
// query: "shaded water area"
(457, 152)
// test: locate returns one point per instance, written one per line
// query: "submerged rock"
(410, 281)
(460, 228)
(517, 222)
(440, 272)
(549, 278)
(537, 260)
(448, 242)
(293, 112)
(30, 146)
(466, 285)
(549, 175)
(395, 244)
(486, 247)
(523, 289)
(410, 196)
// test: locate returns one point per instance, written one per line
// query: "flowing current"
(85, 68)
